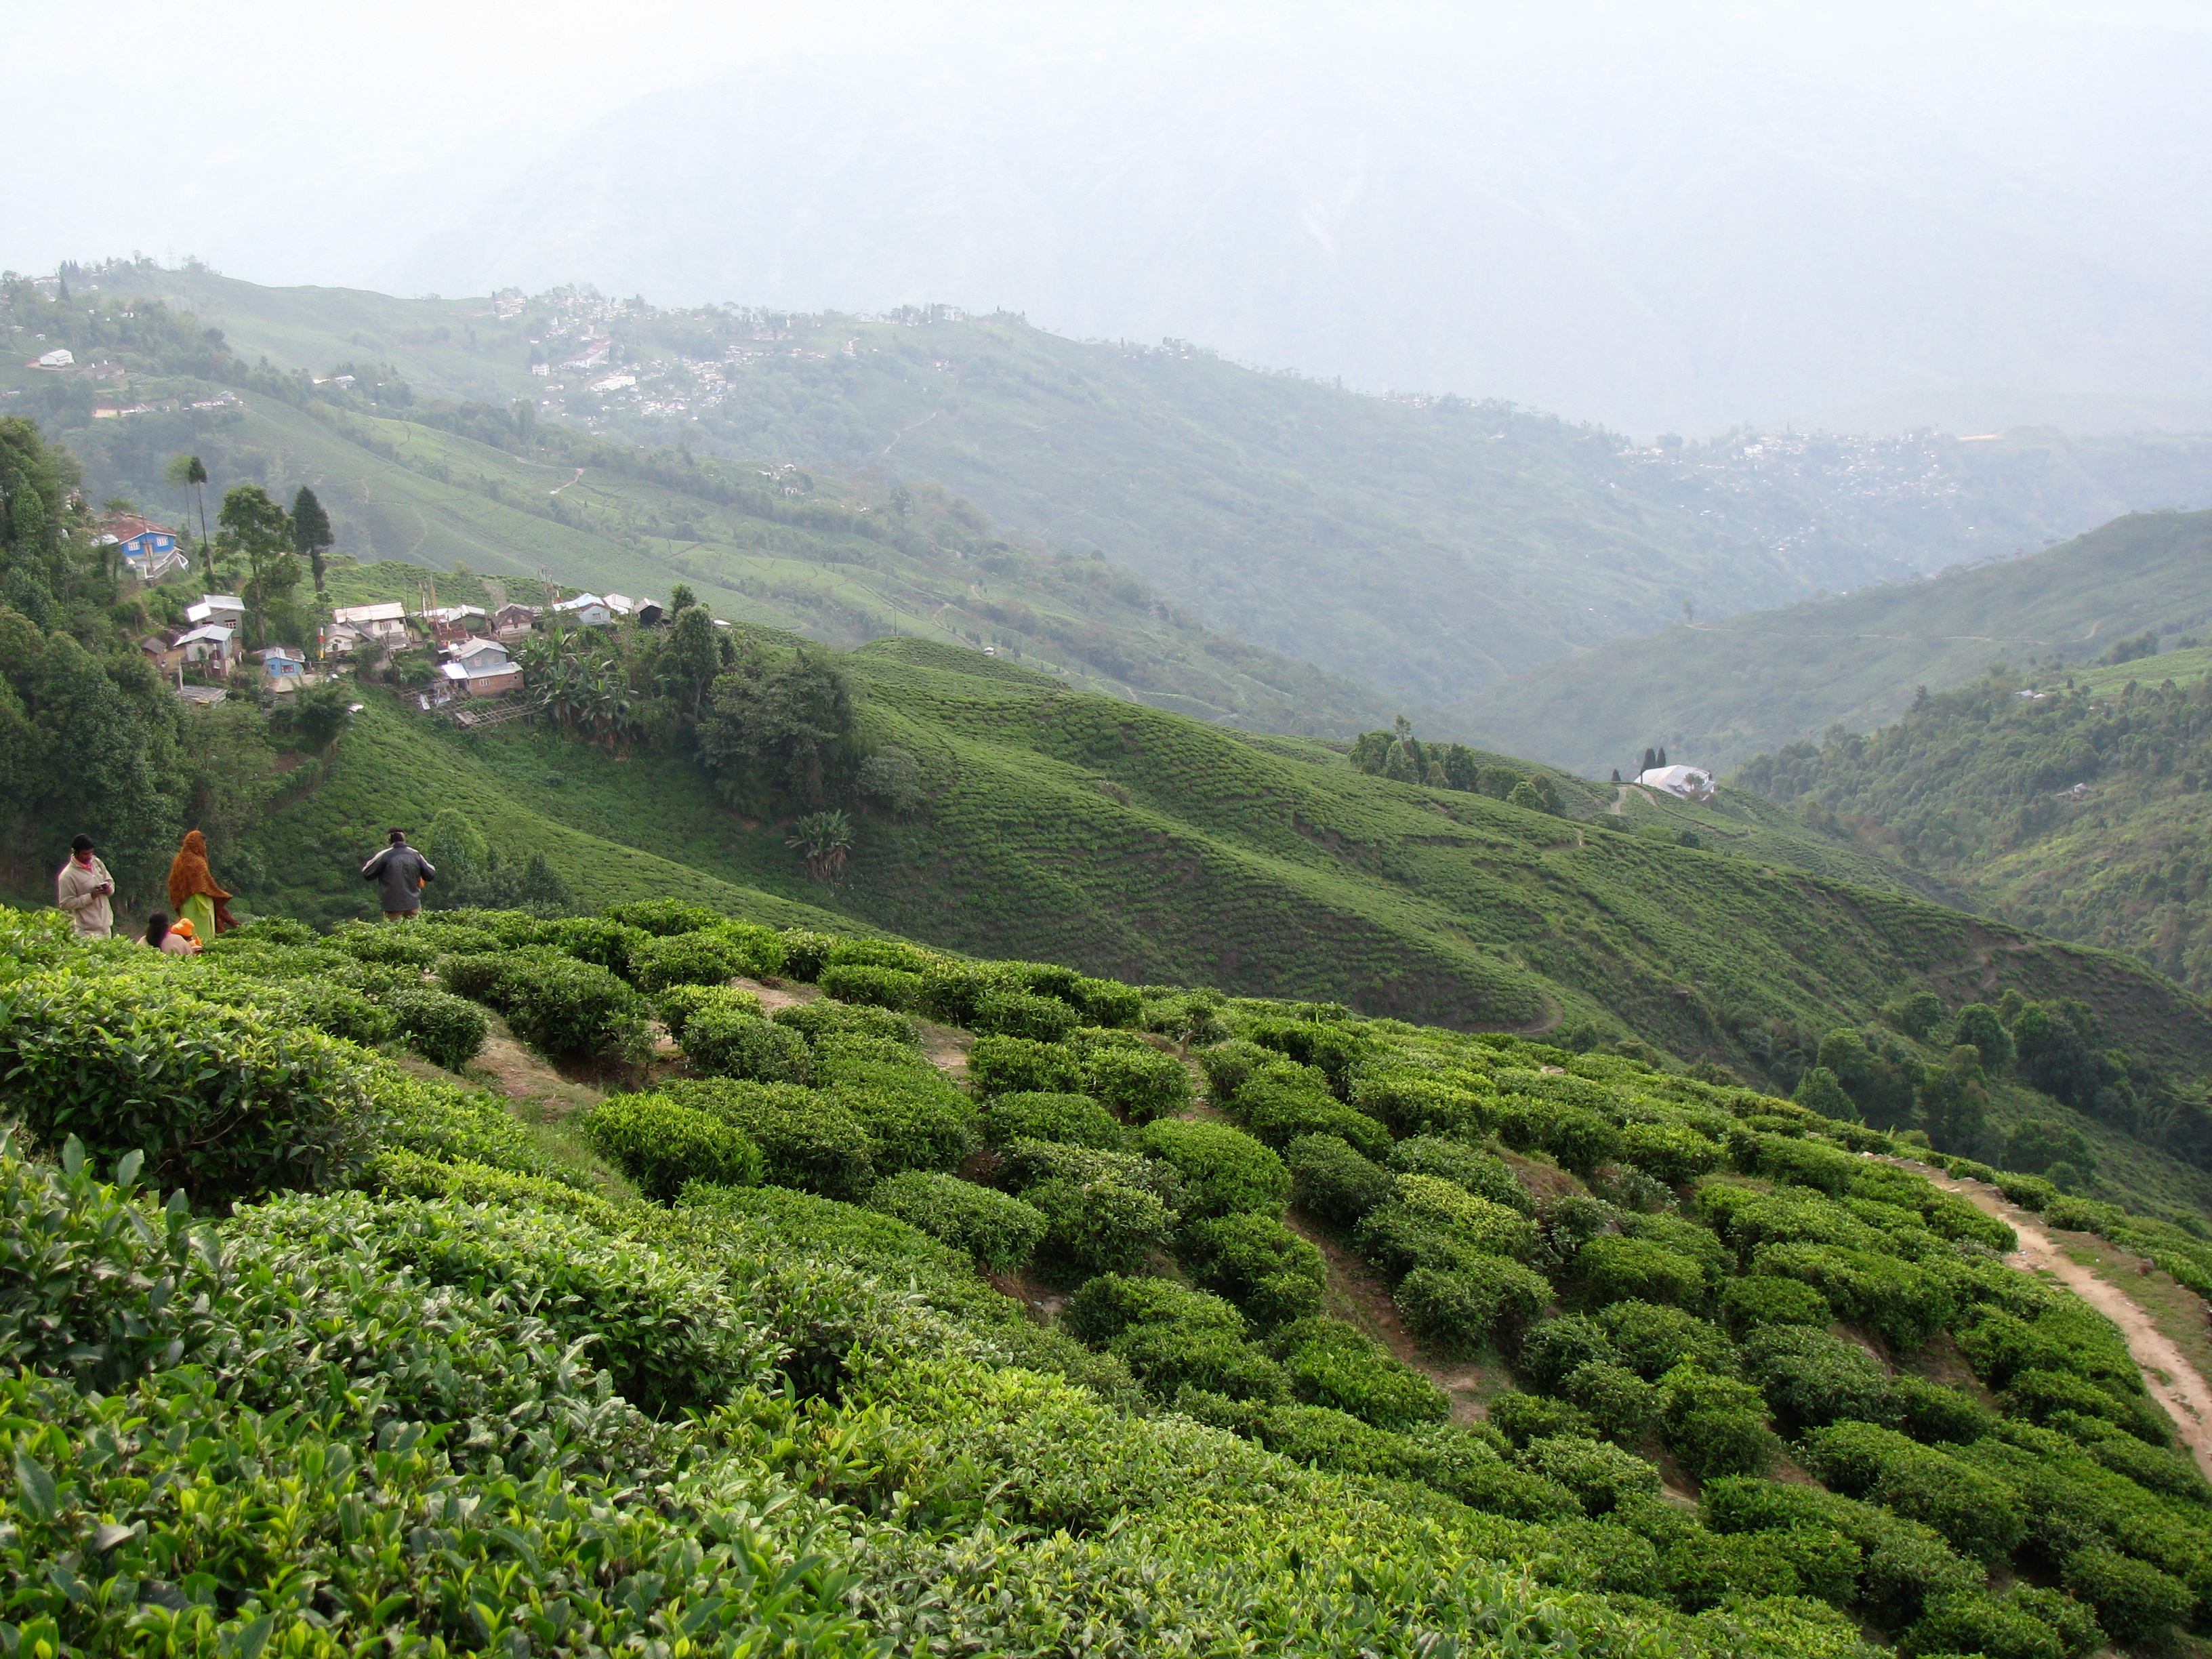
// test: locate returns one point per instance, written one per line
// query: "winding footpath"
(2167, 1374)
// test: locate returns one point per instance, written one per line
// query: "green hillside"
(1424, 546)
(1717, 693)
(830, 1331)
(488, 489)
(2069, 802)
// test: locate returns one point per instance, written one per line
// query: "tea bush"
(224, 1102)
(446, 1029)
(806, 1141)
(1281, 1102)
(827, 1017)
(1223, 1170)
(1254, 1260)
(1140, 1083)
(663, 918)
(679, 1003)
(727, 1042)
(1482, 1173)
(1460, 1308)
(1334, 1182)
(1000, 1231)
(702, 956)
(1329, 1363)
(661, 1145)
(871, 986)
(1007, 1013)
(1016, 1066)
(1077, 1120)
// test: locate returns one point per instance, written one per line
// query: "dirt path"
(2172, 1381)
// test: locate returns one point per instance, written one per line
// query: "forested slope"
(2067, 801)
(1718, 692)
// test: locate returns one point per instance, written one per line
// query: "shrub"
(1903, 1303)
(705, 957)
(2133, 1599)
(1019, 1014)
(1707, 1568)
(1599, 1475)
(1491, 1228)
(341, 1012)
(1229, 1065)
(1107, 1003)
(871, 986)
(679, 1003)
(596, 940)
(1619, 1401)
(1282, 1102)
(1812, 1378)
(726, 1041)
(660, 1145)
(826, 1017)
(1223, 1170)
(1479, 1172)
(1172, 1338)
(1614, 1269)
(805, 953)
(224, 1103)
(1014, 1065)
(1078, 1119)
(808, 1140)
(1747, 1304)
(1140, 1083)
(999, 1230)
(569, 1008)
(1459, 1308)
(1652, 1340)
(1256, 1262)
(1551, 1351)
(1334, 1182)
(1422, 1103)
(481, 976)
(1976, 1512)
(1977, 1622)
(663, 918)
(1522, 1418)
(1329, 1363)
(915, 1118)
(1100, 1224)
(1714, 1425)
(445, 1029)
(1579, 1139)
(884, 953)
(1674, 1152)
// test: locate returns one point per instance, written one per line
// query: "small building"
(161, 650)
(385, 624)
(587, 610)
(477, 653)
(343, 638)
(149, 550)
(59, 357)
(651, 613)
(220, 610)
(282, 667)
(1690, 782)
(209, 642)
(445, 615)
(205, 696)
(511, 622)
(487, 679)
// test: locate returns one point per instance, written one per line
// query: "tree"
(1819, 1091)
(259, 530)
(690, 657)
(1954, 1102)
(186, 472)
(311, 532)
(824, 839)
(784, 723)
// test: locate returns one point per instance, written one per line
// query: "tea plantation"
(320, 1349)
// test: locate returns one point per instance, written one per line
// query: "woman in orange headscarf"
(192, 892)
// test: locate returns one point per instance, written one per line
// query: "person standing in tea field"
(399, 871)
(193, 894)
(82, 890)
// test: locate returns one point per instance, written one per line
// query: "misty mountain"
(1672, 236)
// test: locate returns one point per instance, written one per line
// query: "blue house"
(147, 548)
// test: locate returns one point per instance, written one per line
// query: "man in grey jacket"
(82, 890)
(399, 871)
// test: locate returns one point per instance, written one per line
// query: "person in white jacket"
(82, 890)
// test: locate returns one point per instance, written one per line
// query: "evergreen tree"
(311, 532)
(1662, 757)
(1651, 762)
(1616, 774)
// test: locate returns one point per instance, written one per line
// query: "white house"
(1690, 782)
(59, 357)
(588, 609)
(482, 678)
(621, 603)
(386, 622)
(477, 653)
(209, 641)
(219, 610)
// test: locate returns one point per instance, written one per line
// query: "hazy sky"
(378, 145)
